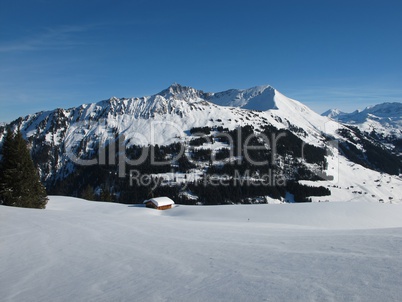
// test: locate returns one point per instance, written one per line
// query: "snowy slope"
(385, 118)
(354, 182)
(77, 250)
(279, 109)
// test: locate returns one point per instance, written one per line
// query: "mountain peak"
(385, 109)
(332, 113)
(177, 88)
(257, 98)
(384, 118)
(177, 91)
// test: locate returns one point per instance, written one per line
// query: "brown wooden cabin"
(159, 203)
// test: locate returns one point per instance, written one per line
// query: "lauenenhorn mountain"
(316, 157)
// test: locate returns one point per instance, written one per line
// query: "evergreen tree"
(20, 185)
(88, 193)
(106, 195)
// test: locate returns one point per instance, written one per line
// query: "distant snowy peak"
(385, 118)
(333, 113)
(387, 110)
(384, 110)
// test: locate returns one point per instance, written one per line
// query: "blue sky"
(326, 54)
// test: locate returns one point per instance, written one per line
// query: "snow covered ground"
(355, 182)
(77, 250)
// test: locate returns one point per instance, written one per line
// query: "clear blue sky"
(327, 54)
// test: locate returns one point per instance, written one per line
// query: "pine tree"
(106, 195)
(88, 193)
(20, 185)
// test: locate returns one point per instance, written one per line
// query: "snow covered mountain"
(170, 118)
(333, 113)
(382, 122)
(385, 119)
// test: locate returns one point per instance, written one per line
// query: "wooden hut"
(159, 203)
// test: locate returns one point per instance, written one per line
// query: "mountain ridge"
(182, 100)
(384, 119)
(169, 118)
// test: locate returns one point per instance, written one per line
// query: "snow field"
(77, 250)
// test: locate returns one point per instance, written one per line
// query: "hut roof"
(160, 201)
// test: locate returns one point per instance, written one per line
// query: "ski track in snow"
(77, 250)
